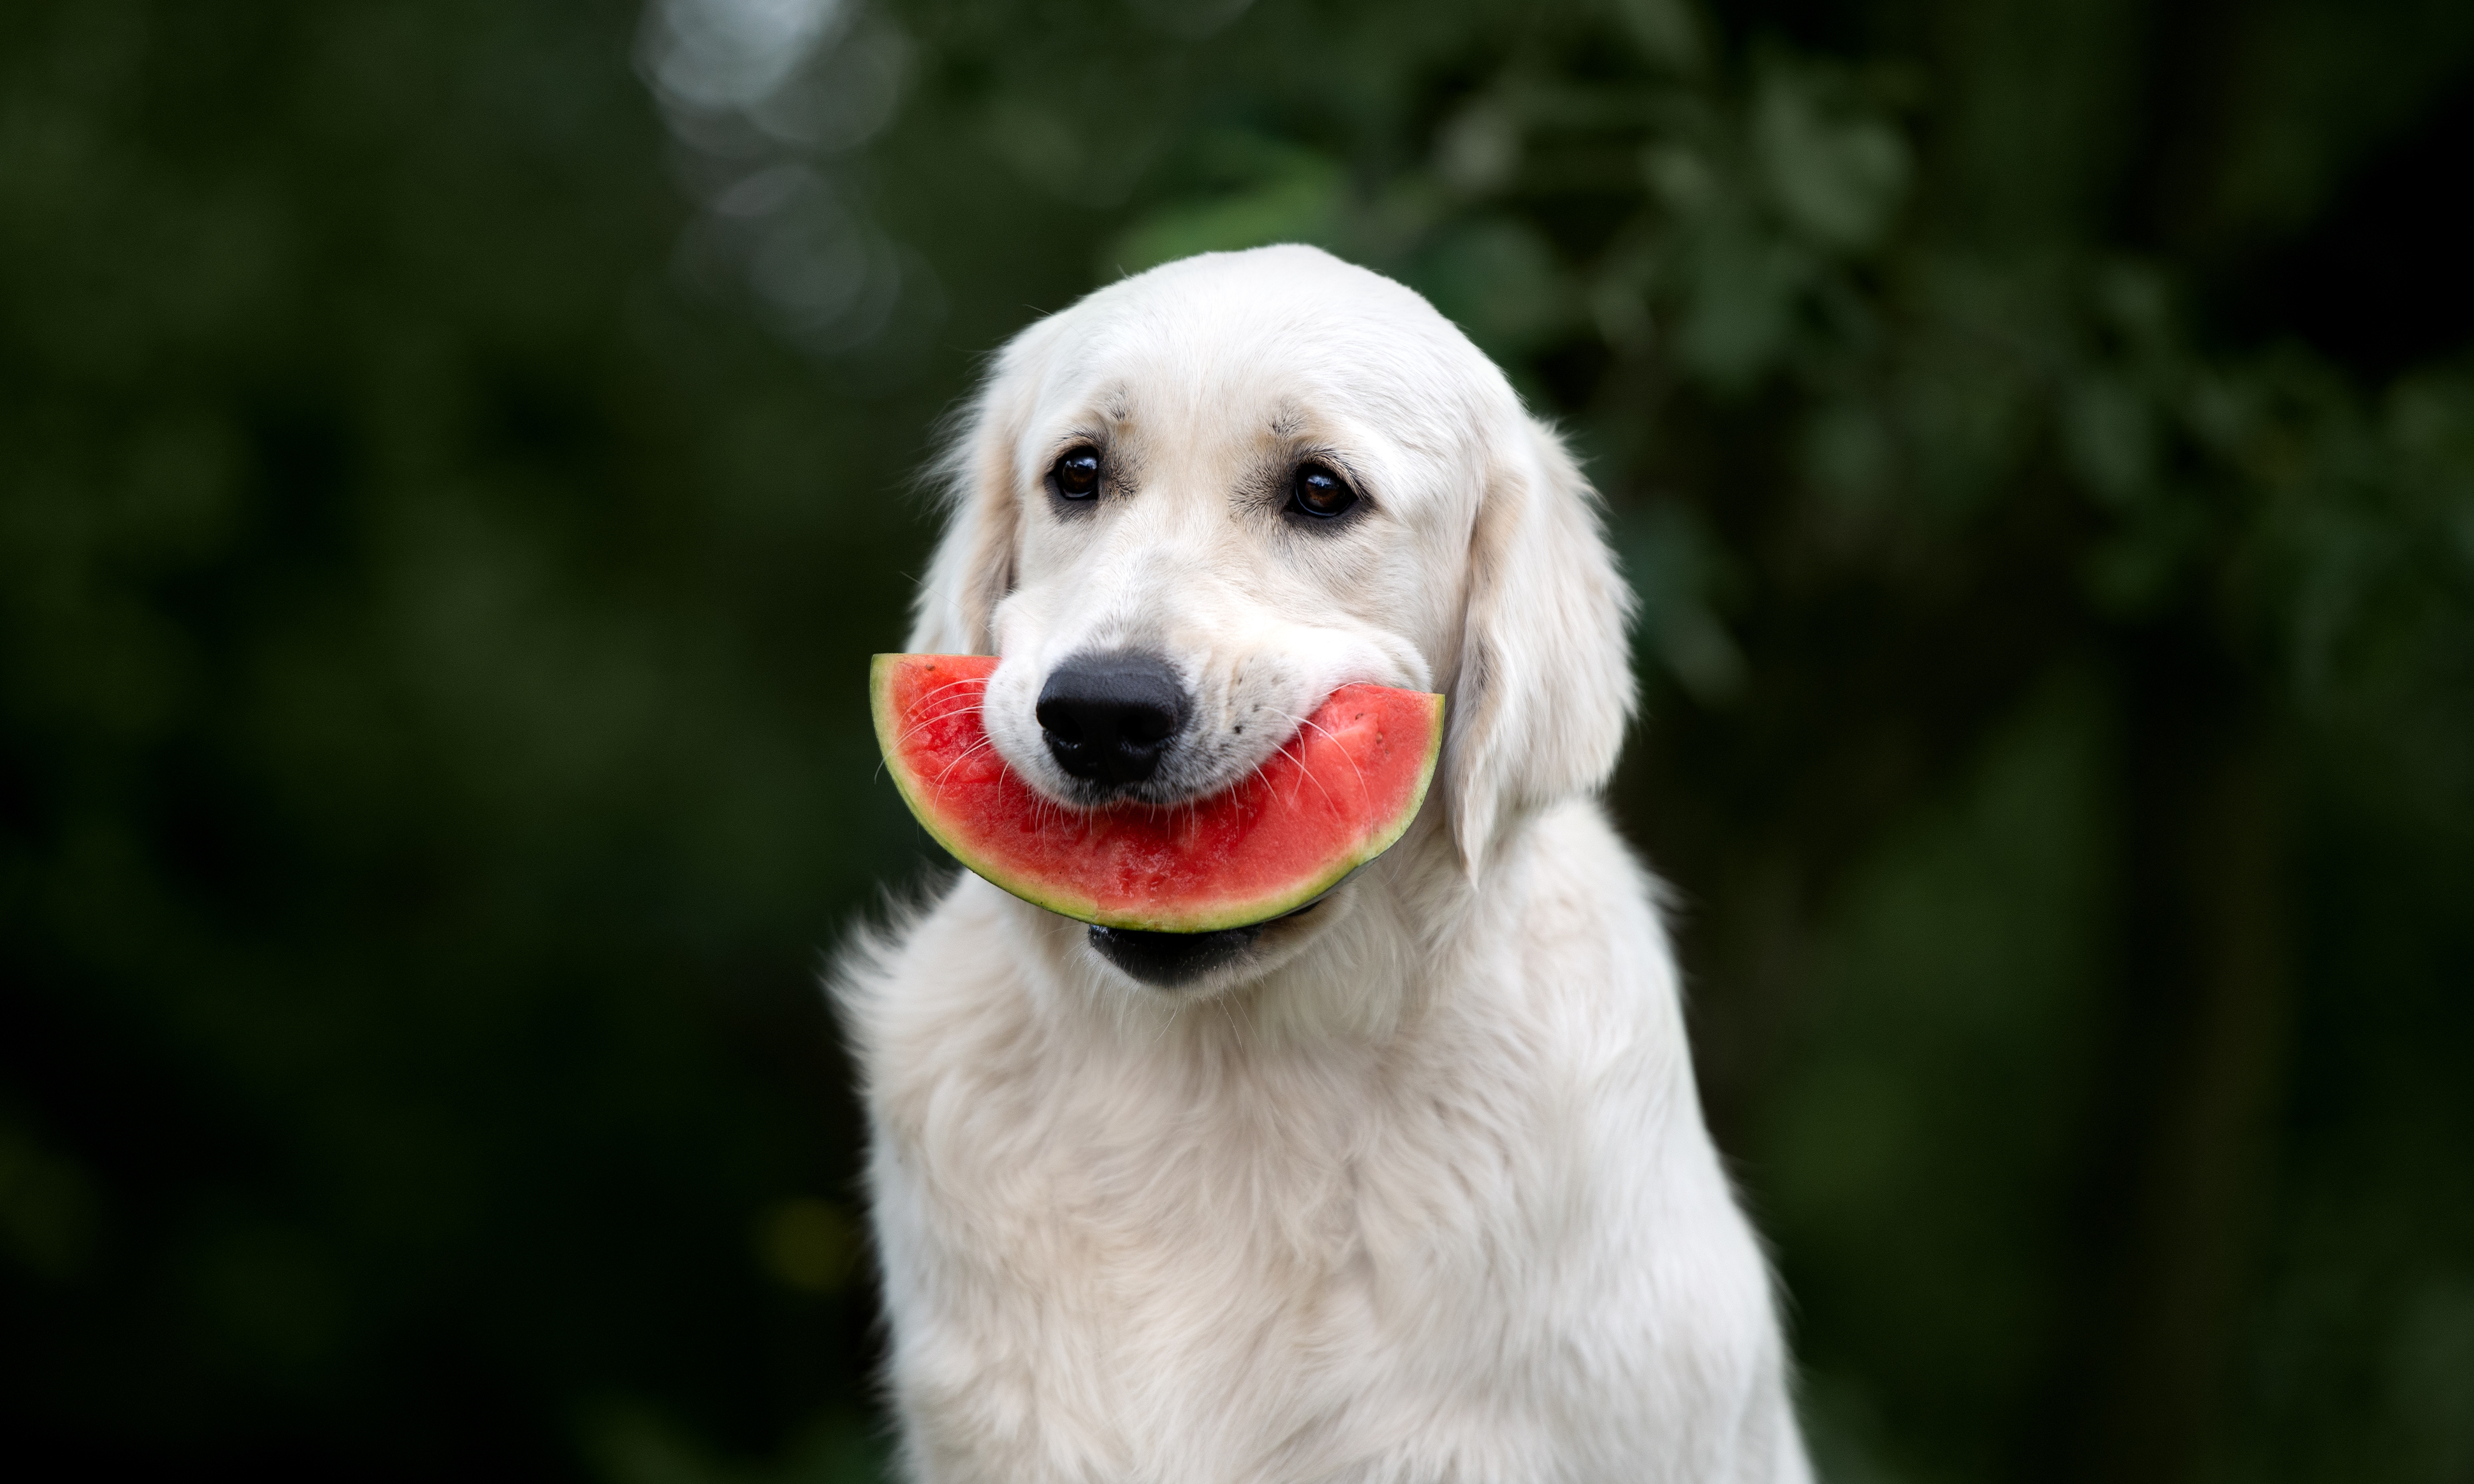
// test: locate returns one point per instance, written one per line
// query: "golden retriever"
(1413, 1185)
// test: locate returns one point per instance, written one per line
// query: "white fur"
(1422, 1192)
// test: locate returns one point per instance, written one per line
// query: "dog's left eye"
(1321, 494)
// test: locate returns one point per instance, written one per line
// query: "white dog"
(1411, 1185)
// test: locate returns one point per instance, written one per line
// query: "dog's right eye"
(1077, 476)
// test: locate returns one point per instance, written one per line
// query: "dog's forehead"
(1284, 342)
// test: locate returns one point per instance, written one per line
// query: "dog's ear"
(975, 479)
(1544, 688)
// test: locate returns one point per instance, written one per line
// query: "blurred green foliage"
(455, 457)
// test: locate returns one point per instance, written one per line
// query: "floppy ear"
(972, 569)
(1544, 688)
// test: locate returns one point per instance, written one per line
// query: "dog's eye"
(1077, 476)
(1321, 494)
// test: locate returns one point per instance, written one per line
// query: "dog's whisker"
(984, 745)
(1303, 722)
(1343, 751)
(1167, 1022)
(1307, 773)
(1236, 1028)
(922, 723)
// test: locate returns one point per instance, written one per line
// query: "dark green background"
(455, 458)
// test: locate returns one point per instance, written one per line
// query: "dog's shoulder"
(1577, 923)
(930, 992)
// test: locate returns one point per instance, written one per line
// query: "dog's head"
(1188, 508)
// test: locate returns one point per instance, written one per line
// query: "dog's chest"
(1213, 1256)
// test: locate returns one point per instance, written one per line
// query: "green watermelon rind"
(1215, 919)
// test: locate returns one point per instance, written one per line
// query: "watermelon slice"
(1335, 796)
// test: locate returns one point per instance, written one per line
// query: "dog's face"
(1199, 501)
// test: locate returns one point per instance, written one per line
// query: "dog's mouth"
(1172, 961)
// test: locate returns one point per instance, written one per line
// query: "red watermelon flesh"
(1335, 796)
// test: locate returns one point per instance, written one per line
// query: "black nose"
(1108, 716)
